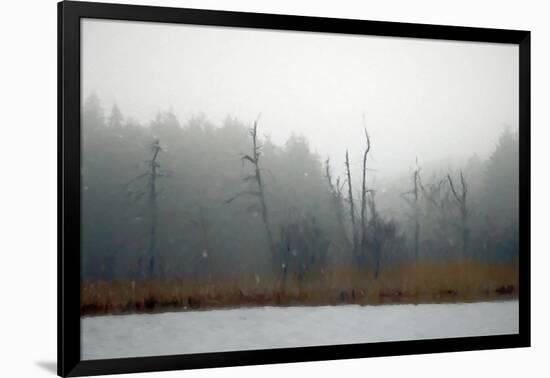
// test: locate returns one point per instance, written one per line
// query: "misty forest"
(187, 214)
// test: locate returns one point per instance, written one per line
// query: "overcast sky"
(425, 98)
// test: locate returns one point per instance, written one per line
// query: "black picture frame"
(69, 100)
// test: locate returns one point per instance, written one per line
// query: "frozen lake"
(279, 327)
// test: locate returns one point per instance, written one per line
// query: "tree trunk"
(461, 201)
(153, 210)
(259, 182)
(336, 195)
(352, 212)
(364, 201)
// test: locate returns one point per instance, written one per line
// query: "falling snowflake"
(205, 254)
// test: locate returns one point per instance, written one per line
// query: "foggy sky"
(431, 99)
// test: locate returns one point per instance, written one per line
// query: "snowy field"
(279, 327)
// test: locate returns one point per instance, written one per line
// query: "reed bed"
(466, 281)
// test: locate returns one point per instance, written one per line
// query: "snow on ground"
(279, 327)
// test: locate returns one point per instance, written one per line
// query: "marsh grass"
(466, 281)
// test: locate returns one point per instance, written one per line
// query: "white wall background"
(28, 186)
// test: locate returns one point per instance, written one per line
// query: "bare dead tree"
(352, 210)
(153, 208)
(438, 197)
(432, 193)
(377, 238)
(460, 199)
(364, 198)
(414, 204)
(153, 174)
(200, 221)
(256, 177)
(336, 195)
(328, 176)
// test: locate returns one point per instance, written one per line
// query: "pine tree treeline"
(218, 200)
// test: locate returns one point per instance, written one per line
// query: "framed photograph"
(240, 188)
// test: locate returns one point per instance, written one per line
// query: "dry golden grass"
(411, 283)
